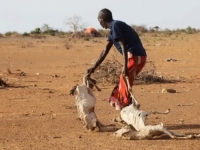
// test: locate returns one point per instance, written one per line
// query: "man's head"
(105, 17)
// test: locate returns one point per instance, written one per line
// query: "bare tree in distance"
(46, 27)
(76, 24)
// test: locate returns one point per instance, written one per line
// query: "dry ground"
(37, 113)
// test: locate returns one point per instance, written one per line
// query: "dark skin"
(104, 53)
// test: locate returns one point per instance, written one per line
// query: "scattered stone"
(22, 74)
(51, 91)
(168, 91)
(171, 60)
(55, 76)
(159, 44)
(27, 114)
(53, 116)
(56, 137)
(168, 44)
(37, 74)
(184, 105)
(42, 114)
(181, 121)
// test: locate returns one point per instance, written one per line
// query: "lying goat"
(136, 129)
(85, 103)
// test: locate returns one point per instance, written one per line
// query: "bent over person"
(128, 43)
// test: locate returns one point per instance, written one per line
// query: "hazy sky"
(26, 15)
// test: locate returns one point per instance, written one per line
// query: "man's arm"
(125, 55)
(102, 56)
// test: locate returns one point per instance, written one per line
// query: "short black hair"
(106, 15)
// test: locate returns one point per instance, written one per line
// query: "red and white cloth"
(120, 96)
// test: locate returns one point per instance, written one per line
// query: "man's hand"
(90, 71)
(125, 71)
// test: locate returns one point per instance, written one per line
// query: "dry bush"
(148, 75)
(37, 36)
(103, 33)
(1, 35)
(77, 35)
(140, 29)
(110, 71)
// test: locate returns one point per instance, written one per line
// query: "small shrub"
(103, 32)
(86, 38)
(141, 28)
(25, 34)
(8, 33)
(36, 31)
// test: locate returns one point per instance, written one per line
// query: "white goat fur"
(136, 118)
(85, 102)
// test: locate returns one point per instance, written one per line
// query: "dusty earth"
(36, 112)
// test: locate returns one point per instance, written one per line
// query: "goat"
(136, 118)
(85, 104)
(136, 129)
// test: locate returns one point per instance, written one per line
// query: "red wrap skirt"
(120, 96)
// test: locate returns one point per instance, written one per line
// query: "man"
(128, 43)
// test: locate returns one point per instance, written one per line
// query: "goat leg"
(156, 112)
(174, 135)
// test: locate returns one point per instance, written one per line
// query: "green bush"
(25, 34)
(8, 33)
(36, 31)
(86, 38)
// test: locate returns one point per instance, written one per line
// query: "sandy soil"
(38, 114)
